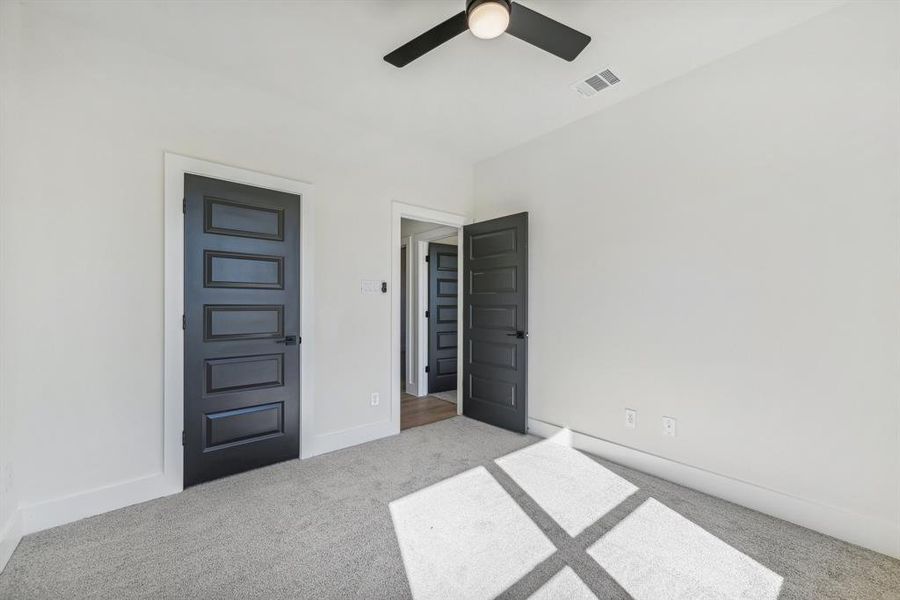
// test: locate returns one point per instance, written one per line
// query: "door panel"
(495, 309)
(443, 317)
(236, 321)
(236, 270)
(244, 373)
(246, 220)
(243, 425)
(242, 316)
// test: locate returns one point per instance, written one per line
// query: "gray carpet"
(321, 528)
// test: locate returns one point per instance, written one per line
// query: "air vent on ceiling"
(595, 82)
(609, 76)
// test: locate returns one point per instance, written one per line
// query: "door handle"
(519, 335)
(289, 340)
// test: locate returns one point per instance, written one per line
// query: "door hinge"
(426, 314)
(183, 322)
(182, 437)
(427, 369)
(183, 205)
(427, 258)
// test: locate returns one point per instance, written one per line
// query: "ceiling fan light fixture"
(488, 18)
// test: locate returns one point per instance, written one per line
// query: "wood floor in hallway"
(422, 411)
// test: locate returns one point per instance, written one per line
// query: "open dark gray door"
(443, 318)
(242, 319)
(495, 321)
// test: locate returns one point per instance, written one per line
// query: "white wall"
(9, 53)
(451, 241)
(724, 249)
(82, 231)
(410, 227)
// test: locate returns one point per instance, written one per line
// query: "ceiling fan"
(488, 19)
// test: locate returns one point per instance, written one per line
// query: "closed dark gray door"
(242, 318)
(495, 320)
(443, 319)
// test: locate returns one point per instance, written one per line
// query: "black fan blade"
(545, 33)
(428, 41)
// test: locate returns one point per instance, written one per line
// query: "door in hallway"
(443, 303)
(241, 324)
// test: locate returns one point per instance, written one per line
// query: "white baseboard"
(337, 440)
(70, 508)
(876, 534)
(10, 535)
(58, 511)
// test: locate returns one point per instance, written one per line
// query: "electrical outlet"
(668, 424)
(375, 399)
(630, 418)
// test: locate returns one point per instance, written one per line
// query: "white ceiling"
(472, 97)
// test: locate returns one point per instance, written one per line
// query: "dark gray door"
(443, 319)
(242, 318)
(495, 321)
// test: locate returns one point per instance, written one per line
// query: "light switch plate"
(371, 286)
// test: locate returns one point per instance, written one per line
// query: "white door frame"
(410, 382)
(173, 402)
(399, 212)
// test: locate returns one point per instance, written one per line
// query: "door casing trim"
(176, 166)
(411, 378)
(401, 211)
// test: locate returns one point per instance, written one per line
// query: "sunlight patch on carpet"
(465, 538)
(573, 489)
(565, 584)
(656, 554)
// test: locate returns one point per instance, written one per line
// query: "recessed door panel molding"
(228, 217)
(447, 340)
(447, 366)
(499, 393)
(447, 314)
(241, 328)
(493, 281)
(502, 317)
(238, 270)
(447, 261)
(492, 244)
(495, 329)
(227, 322)
(246, 425)
(244, 373)
(496, 354)
(447, 288)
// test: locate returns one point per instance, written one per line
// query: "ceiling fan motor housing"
(470, 4)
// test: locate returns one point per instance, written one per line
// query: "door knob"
(519, 335)
(289, 340)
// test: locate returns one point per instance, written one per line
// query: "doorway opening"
(429, 322)
(491, 310)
